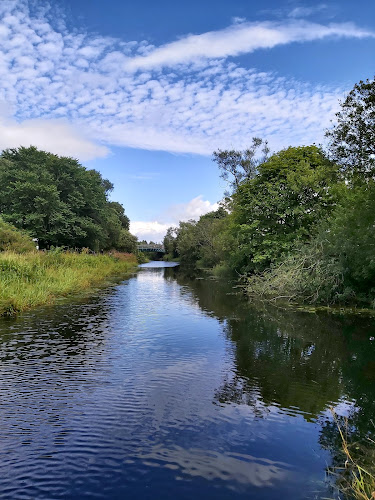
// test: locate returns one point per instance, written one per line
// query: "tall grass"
(35, 278)
(357, 478)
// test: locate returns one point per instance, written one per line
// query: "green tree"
(127, 242)
(352, 138)
(282, 205)
(199, 242)
(120, 211)
(350, 239)
(57, 200)
(337, 265)
(170, 243)
(237, 167)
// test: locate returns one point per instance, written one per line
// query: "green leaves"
(57, 200)
(282, 205)
(352, 137)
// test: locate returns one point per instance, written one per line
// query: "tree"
(239, 166)
(127, 242)
(170, 244)
(282, 205)
(57, 200)
(353, 137)
(120, 211)
(199, 242)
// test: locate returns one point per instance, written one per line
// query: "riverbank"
(33, 279)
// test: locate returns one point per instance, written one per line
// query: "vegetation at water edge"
(35, 278)
(297, 225)
(356, 478)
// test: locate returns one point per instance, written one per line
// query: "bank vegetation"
(297, 225)
(59, 231)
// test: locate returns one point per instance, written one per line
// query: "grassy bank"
(36, 278)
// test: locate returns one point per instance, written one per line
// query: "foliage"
(58, 201)
(337, 266)
(357, 478)
(119, 209)
(304, 275)
(351, 239)
(11, 239)
(142, 258)
(200, 242)
(281, 206)
(352, 138)
(31, 279)
(170, 244)
(126, 242)
(237, 167)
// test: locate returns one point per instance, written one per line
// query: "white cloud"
(149, 231)
(56, 136)
(199, 102)
(242, 38)
(155, 230)
(303, 11)
(191, 210)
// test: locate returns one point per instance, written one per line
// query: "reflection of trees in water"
(300, 361)
(290, 358)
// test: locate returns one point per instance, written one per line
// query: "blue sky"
(146, 91)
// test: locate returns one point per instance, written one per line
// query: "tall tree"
(282, 205)
(237, 167)
(353, 136)
(57, 200)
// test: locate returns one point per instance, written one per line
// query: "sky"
(145, 91)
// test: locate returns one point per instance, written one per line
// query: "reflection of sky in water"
(165, 387)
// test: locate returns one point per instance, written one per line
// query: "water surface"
(167, 386)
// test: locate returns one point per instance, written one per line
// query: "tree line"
(61, 203)
(297, 224)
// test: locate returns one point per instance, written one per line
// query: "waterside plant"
(36, 278)
(356, 479)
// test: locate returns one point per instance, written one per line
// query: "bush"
(337, 266)
(14, 240)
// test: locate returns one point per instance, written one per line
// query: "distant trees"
(127, 242)
(59, 201)
(198, 241)
(170, 244)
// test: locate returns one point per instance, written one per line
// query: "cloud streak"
(242, 38)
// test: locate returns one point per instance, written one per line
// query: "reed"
(35, 278)
(356, 479)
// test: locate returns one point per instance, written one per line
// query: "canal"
(169, 386)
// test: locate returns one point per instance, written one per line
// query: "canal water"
(169, 386)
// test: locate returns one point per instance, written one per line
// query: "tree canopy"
(240, 166)
(58, 201)
(352, 137)
(281, 205)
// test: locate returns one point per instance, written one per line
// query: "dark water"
(170, 387)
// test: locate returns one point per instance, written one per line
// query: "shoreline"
(34, 279)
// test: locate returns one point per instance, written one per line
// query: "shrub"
(14, 240)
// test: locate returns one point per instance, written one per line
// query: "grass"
(35, 278)
(357, 478)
